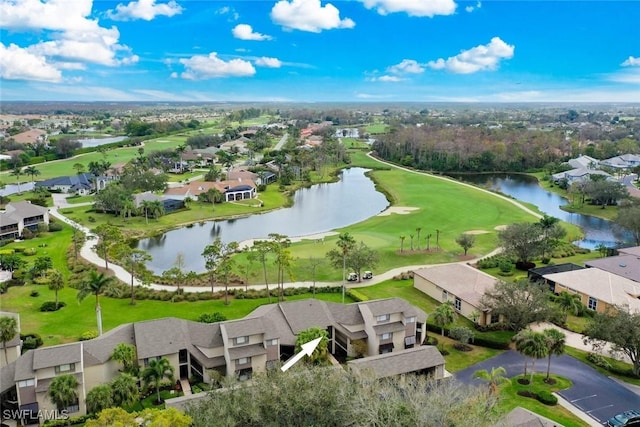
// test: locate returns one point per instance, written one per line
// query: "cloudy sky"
(315, 51)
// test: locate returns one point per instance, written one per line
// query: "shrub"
(598, 360)
(30, 341)
(17, 249)
(51, 306)
(30, 251)
(357, 296)
(74, 421)
(54, 226)
(211, 317)
(505, 265)
(91, 219)
(88, 335)
(547, 398)
(34, 294)
(492, 342)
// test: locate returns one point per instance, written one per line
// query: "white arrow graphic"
(307, 349)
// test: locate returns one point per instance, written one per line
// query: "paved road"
(282, 141)
(593, 393)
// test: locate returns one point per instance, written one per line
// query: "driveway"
(596, 395)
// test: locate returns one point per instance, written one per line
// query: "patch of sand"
(476, 232)
(500, 227)
(401, 210)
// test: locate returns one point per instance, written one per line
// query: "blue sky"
(319, 51)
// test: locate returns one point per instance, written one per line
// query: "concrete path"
(282, 141)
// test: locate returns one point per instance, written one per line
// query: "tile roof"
(623, 265)
(465, 282)
(399, 362)
(634, 250)
(602, 285)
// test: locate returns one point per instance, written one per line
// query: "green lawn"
(67, 324)
(49, 244)
(80, 199)
(458, 360)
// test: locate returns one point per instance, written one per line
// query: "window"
(242, 340)
(593, 303)
(69, 367)
(383, 318)
(75, 407)
(495, 318)
(411, 319)
(272, 342)
(457, 304)
(385, 337)
(27, 383)
(243, 361)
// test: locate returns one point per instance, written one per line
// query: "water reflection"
(525, 188)
(319, 208)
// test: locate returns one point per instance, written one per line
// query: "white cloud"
(418, 8)
(17, 63)
(387, 78)
(144, 9)
(631, 62)
(226, 10)
(57, 15)
(407, 66)
(472, 8)
(308, 15)
(201, 67)
(245, 32)
(479, 58)
(269, 62)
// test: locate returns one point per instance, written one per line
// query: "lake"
(96, 142)
(526, 188)
(319, 208)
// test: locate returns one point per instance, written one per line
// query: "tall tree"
(180, 150)
(134, 259)
(418, 231)
(619, 327)
(533, 345)
(360, 256)
(96, 284)
(444, 315)
(31, 171)
(628, 218)
(56, 282)
(260, 252)
(520, 303)
(8, 330)
(345, 244)
(402, 238)
(521, 240)
(219, 262)
(280, 244)
(108, 236)
(17, 172)
(552, 231)
(156, 372)
(63, 391)
(555, 345)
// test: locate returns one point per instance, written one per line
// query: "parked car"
(625, 419)
(367, 275)
(352, 277)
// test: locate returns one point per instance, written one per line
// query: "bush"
(30, 251)
(211, 317)
(34, 294)
(74, 421)
(88, 335)
(17, 249)
(598, 360)
(547, 398)
(357, 296)
(30, 341)
(54, 226)
(51, 306)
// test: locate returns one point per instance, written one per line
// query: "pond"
(525, 188)
(319, 208)
(96, 142)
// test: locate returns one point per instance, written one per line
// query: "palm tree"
(146, 208)
(533, 345)
(569, 303)
(158, 370)
(444, 315)
(127, 208)
(8, 330)
(402, 237)
(346, 243)
(555, 345)
(125, 390)
(62, 391)
(411, 239)
(418, 230)
(32, 171)
(100, 397)
(17, 172)
(180, 149)
(520, 340)
(96, 285)
(494, 378)
(56, 283)
(125, 354)
(156, 209)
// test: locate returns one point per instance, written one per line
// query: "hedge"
(479, 340)
(547, 398)
(357, 296)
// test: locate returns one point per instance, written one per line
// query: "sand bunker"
(500, 227)
(476, 232)
(402, 210)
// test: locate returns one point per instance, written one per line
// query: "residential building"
(81, 184)
(537, 274)
(231, 189)
(459, 284)
(168, 204)
(599, 290)
(579, 175)
(392, 328)
(624, 265)
(19, 216)
(583, 162)
(625, 161)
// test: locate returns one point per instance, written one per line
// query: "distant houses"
(81, 184)
(239, 189)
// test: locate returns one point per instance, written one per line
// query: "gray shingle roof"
(521, 417)
(345, 314)
(47, 357)
(305, 314)
(635, 250)
(394, 305)
(244, 327)
(399, 362)
(43, 384)
(24, 366)
(7, 376)
(160, 337)
(99, 350)
(389, 327)
(467, 283)
(622, 265)
(246, 351)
